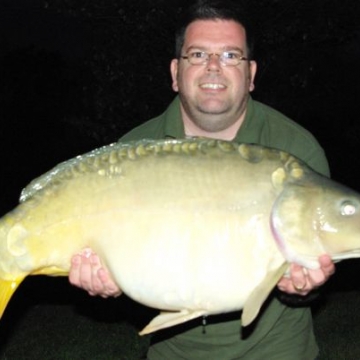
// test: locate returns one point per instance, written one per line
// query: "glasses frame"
(208, 56)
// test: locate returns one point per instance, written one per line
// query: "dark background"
(75, 75)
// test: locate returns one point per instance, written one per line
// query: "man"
(213, 74)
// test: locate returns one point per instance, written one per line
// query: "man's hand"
(88, 273)
(301, 281)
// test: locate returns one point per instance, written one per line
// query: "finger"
(327, 265)
(286, 285)
(283, 284)
(298, 278)
(85, 274)
(111, 288)
(317, 277)
(74, 273)
(296, 282)
(97, 286)
(102, 283)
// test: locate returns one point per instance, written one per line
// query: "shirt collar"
(174, 126)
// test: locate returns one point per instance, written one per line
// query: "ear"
(174, 65)
(252, 70)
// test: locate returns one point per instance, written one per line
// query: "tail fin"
(7, 289)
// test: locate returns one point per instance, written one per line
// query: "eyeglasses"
(227, 58)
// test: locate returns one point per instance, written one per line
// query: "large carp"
(191, 227)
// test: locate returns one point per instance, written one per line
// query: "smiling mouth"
(212, 86)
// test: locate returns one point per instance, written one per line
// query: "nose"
(213, 63)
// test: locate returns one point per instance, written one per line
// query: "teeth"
(212, 86)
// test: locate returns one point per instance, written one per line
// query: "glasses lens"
(198, 57)
(226, 58)
(230, 58)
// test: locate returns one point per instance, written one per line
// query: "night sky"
(51, 108)
(36, 45)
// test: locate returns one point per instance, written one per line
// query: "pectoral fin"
(258, 296)
(7, 289)
(167, 319)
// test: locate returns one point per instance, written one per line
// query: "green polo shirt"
(262, 125)
(280, 332)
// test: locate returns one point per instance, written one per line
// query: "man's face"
(213, 96)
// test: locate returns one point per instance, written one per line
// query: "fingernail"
(299, 287)
(94, 259)
(86, 252)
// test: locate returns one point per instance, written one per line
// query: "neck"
(191, 129)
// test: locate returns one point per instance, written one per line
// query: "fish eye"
(347, 208)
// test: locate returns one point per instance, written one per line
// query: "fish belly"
(186, 266)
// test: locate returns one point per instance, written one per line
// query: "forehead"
(215, 34)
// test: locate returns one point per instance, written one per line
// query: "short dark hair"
(213, 10)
